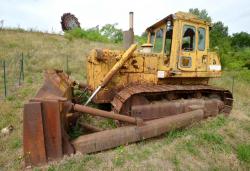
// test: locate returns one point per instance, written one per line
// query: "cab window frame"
(152, 38)
(168, 45)
(204, 39)
(155, 39)
(189, 26)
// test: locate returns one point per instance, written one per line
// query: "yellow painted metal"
(155, 68)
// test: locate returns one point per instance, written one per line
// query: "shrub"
(89, 34)
(108, 33)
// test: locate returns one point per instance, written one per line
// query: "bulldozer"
(161, 86)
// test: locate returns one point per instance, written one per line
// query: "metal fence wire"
(12, 75)
(13, 70)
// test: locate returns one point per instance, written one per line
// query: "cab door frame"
(202, 54)
(187, 56)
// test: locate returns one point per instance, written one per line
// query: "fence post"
(22, 67)
(21, 73)
(4, 78)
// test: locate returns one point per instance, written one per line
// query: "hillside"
(221, 143)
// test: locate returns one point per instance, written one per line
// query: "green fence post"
(22, 65)
(4, 79)
(21, 73)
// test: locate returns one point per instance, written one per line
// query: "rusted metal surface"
(97, 112)
(56, 84)
(124, 95)
(166, 108)
(120, 136)
(44, 134)
(56, 141)
(52, 129)
(33, 135)
(67, 147)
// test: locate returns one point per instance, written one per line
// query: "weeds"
(212, 138)
(243, 152)
(191, 147)
(170, 136)
(119, 159)
(75, 132)
(16, 143)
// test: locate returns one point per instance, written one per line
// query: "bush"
(90, 34)
(108, 33)
(236, 60)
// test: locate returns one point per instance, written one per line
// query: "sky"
(45, 15)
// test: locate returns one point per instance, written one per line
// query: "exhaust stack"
(131, 20)
(128, 36)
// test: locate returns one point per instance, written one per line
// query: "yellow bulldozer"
(162, 85)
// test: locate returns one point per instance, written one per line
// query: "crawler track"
(150, 94)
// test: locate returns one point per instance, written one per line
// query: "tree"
(111, 32)
(202, 14)
(218, 34)
(241, 40)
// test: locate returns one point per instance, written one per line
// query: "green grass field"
(220, 143)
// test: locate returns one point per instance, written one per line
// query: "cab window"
(152, 38)
(201, 37)
(188, 38)
(168, 42)
(158, 41)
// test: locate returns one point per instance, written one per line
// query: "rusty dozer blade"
(57, 84)
(44, 120)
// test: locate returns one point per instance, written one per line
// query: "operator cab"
(182, 40)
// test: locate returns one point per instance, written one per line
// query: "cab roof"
(179, 16)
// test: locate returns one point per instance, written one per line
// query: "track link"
(184, 91)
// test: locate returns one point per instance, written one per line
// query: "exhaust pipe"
(131, 20)
(128, 36)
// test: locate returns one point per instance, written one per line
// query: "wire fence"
(13, 71)
(12, 75)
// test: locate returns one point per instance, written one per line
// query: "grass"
(243, 152)
(219, 143)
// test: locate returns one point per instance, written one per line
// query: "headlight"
(168, 23)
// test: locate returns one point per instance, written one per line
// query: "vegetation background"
(220, 143)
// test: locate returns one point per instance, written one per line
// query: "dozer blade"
(44, 120)
(57, 84)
